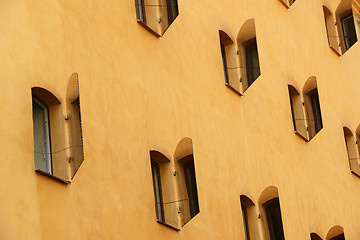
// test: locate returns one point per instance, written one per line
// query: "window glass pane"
(140, 12)
(339, 237)
(315, 104)
(172, 9)
(274, 220)
(189, 171)
(245, 221)
(157, 190)
(252, 63)
(349, 30)
(42, 154)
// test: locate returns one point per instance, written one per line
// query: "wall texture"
(140, 93)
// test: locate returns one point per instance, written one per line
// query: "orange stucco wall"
(140, 93)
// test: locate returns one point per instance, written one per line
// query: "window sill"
(301, 136)
(52, 176)
(233, 89)
(147, 28)
(167, 225)
(335, 51)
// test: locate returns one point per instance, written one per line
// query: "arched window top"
(314, 236)
(72, 92)
(224, 38)
(292, 90)
(334, 232)
(246, 201)
(46, 96)
(183, 149)
(327, 8)
(347, 132)
(310, 85)
(158, 157)
(345, 5)
(357, 132)
(247, 31)
(268, 194)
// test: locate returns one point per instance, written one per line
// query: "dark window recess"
(172, 10)
(315, 104)
(252, 63)
(223, 55)
(339, 237)
(157, 191)
(245, 220)
(273, 216)
(292, 111)
(140, 10)
(349, 31)
(190, 179)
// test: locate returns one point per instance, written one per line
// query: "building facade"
(165, 119)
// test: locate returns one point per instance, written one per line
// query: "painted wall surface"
(140, 93)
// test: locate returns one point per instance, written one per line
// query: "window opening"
(223, 55)
(172, 9)
(140, 10)
(349, 31)
(245, 221)
(252, 63)
(273, 215)
(157, 191)
(292, 111)
(189, 170)
(339, 237)
(41, 130)
(315, 104)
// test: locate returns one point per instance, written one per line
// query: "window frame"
(47, 129)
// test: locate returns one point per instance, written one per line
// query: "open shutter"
(74, 125)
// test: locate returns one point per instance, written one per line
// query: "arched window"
(271, 214)
(249, 218)
(227, 48)
(345, 25)
(248, 54)
(353, 154)
(156, 15)
(49, 137)
(186, 177)
(74, 124)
